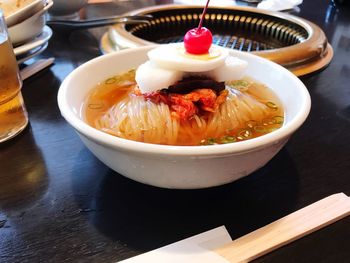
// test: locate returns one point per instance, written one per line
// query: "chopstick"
(34, 68)
(287, 229)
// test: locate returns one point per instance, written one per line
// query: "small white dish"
(106, 45)
(29, 28)
(22, 13)
(182, 167)
(32, 53)
(35, 43)
(111, 42)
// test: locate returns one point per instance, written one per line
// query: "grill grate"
(244, 32)
(233, 42)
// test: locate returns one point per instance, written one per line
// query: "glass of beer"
(13, 114)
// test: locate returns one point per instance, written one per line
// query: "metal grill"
(295, 43)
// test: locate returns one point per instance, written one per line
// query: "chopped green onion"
(271, 105)
(110, 80)
(244, 134)
(278, 119)
(95, 106)
(260, 129)
(241, 82)
(228, 139)
(241, 85)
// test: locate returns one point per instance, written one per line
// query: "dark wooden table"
(60, 204)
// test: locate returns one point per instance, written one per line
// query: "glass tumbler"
(13, 114)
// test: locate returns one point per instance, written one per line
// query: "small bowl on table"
(182, 167)
(30, 27)
(17, 11)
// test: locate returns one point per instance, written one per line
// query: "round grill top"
(295, 43)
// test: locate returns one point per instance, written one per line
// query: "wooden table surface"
(58, 203)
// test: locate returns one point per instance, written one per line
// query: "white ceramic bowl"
(182, 166)
(16, 14)
(30, 27)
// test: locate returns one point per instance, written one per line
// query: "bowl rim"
(170, 150)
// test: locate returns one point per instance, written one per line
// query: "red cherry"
(198, 40)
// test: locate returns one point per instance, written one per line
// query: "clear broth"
(110, 92)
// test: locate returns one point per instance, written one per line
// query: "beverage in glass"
(13, 115)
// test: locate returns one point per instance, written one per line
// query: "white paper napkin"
(273, 5)
(279, 5)
(296, 225)
(195, 249)
(203, 2)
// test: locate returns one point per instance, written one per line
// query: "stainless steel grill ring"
(293, 42)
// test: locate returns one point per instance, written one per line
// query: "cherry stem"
(202, 17)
